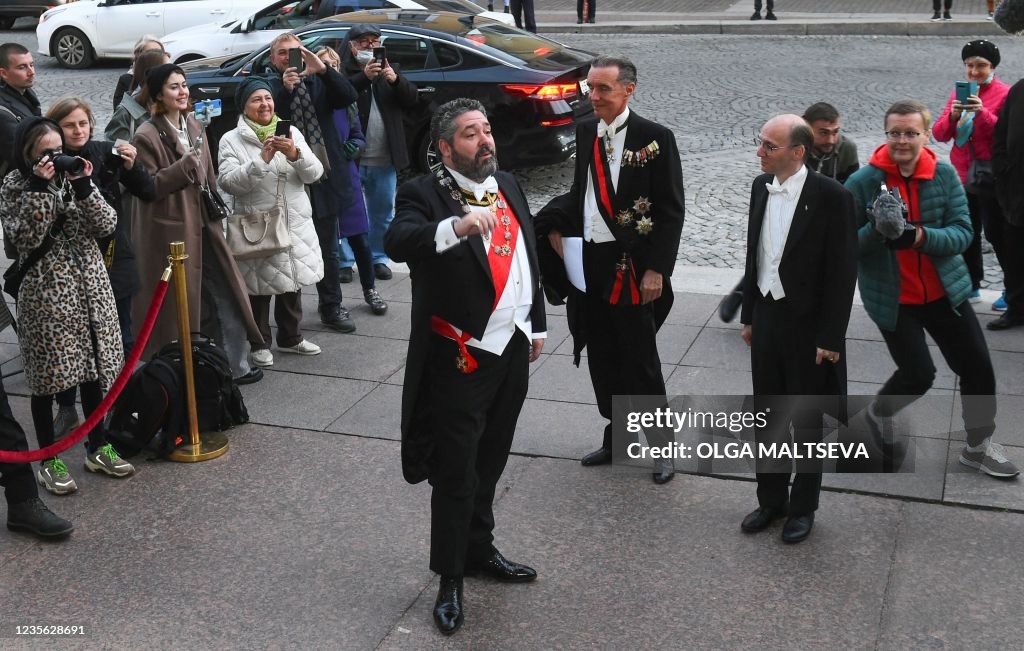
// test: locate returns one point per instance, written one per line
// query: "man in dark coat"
(309, 98)
(17, 99)
(1008, 164)
(384, 97)
(477, 320)
(798, 288)
(626, 202)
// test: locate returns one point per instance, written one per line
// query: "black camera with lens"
(64, 163)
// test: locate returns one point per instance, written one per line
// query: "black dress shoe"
(1005, 322)
(663, 473)
(760, 519)
(382, 271)
(448, 607)
(598, 457)
(33, 516)
(345, 275)
(252, 377)
(770, 16)
(338, 319)
(498, 567)
(756, 16)
(797, 528)
(729, 306)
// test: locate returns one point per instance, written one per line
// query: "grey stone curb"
(782, 28)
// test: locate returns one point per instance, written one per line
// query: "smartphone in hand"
(380, 54)
(283, 129)
(965, 89)
(295, 59)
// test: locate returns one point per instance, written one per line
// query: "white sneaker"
(989, 458)
(262, 357)
(304, 347)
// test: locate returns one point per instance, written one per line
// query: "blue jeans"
(379, 182)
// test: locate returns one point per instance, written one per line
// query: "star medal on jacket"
(644, 224)
(462, 363)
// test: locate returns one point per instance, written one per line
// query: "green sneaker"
(106, 459)
(54, 477)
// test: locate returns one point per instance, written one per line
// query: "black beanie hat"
(985, 49)
(26, 125)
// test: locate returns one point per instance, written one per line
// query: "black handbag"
(214, 208)
(981, 178)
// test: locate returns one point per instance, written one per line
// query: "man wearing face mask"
(384, 95)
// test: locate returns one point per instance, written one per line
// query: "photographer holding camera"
(68, 331)
(113, 164)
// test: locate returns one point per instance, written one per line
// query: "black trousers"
(936, 3)
(16, 478)
(522, 13)
(782, 354)
(591, 9)
(287, 315)
(1008, 243)
(473, 420)
(972, 256)
(42, 416)
(329, 288)
(757, 5)
(962, 344)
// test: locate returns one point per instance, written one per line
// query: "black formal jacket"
(1008, 156)
(819, 263)
(659, 180)
(455, 285)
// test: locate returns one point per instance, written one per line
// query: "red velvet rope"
(9, 456)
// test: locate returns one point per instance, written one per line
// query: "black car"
(12, 10)
(528, 84)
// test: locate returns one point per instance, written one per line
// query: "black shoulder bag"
(15, 274)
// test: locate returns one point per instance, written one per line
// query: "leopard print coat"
(67, 320)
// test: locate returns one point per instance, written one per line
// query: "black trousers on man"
(771, 5)
(962, 344)
(622, 347)
(329, 288)
(473, 419)
(782, 354)
(522, 13)
(1007, 241)
(16, 478)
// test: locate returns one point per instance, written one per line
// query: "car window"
(409, 52)
(291, 16)
(448, 55)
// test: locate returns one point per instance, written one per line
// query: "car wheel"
(427, 158)
(72, 49)
(7, 22)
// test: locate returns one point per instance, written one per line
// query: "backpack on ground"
(219, 403)
(150, 413)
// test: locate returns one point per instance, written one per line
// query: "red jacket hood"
(925, 165)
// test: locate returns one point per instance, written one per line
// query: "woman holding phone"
(260, 158)
(969, 121)
(172, 149)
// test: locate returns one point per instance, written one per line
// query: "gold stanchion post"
(212, 444)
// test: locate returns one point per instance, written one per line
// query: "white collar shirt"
(778, 218)
(594, 227)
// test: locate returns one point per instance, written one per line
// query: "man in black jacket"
(1007, 230)
(17, 99)
(384, 95)
(309, 98)
(477, 317)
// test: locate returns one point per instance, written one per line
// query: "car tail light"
(546, 92)
(556, 123)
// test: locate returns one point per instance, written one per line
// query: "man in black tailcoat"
(477, 322)
(626, 203)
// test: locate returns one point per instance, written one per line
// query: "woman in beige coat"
(169, 147)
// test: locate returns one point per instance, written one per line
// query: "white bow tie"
(608, 130)
(480, 190)
(777, 189)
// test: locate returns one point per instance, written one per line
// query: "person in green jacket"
(913, 280)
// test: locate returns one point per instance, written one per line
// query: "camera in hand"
(65, 163)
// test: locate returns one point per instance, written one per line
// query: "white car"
(80, 32)
(256, 31)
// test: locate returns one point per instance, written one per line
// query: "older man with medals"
(626, 205)
(477, 322)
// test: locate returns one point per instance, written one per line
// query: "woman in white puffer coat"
(251, 162)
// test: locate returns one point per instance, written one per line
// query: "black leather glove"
(351, 150)
(904, 241)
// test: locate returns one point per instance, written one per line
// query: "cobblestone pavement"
(714, 92)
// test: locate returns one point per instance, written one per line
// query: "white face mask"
(364, 56)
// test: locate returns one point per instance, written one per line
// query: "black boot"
(448, 607)
(33, 516)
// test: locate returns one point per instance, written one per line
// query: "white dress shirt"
(594, 227)
(778, 217)
(513, 309)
